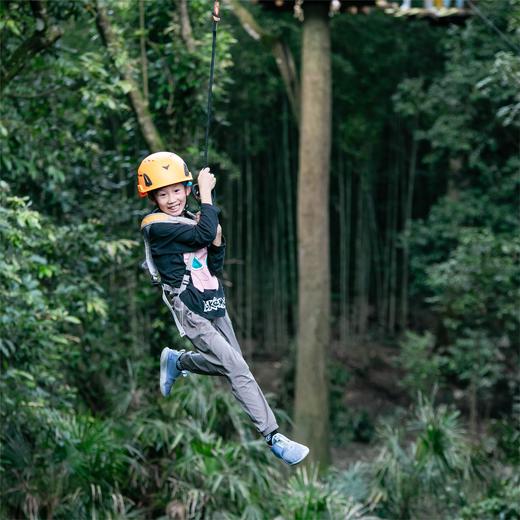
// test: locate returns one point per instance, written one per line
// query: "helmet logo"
(186, 171)
(147, 180)
(166, 167)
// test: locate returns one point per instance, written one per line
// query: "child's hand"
(206, 181)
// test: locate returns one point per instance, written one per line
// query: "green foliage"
(73, 466)
(208, 456)
(195, 449)
(307, 497)
(464, 120)
(502, 84)
(506, 433)
(429, 467)
(476, 287)
(345, 426)
(348, 426)
(355, 481)
(476, 293)
(427, 471)
(502, 503)
(422, 367)
(59, 460)
(44, 300)
(491, 209)
(464, 255)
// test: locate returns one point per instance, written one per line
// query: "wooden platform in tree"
(288, 5)
(441, 16)
(437, 16)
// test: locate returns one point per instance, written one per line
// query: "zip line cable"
(489, 23)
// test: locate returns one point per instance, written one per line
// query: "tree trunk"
(250, 245)
(392, 229)
(362, 259)
(187, 34)
(345, 191)
(311, 399)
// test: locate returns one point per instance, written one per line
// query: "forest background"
(424, 247)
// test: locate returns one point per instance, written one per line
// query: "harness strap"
(166, 300)
(158, 218)
(149, 264)
(146, 223)
(175, 292)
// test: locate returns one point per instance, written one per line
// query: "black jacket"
(172, 243)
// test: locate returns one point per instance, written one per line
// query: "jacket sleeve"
(192, 237)
(216, 256)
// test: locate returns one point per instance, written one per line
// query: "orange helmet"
(161, 169)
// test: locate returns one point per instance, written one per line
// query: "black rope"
(211, 71)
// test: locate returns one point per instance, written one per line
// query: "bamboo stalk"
(250, 239)
(289, 211)
(407, 225)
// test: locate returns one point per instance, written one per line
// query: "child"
(188, 254)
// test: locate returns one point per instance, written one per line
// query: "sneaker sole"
(164, 370)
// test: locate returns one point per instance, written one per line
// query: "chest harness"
(168, 292)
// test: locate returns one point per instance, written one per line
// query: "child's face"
(172, 199)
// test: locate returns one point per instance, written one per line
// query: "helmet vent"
(186, 171)
(147, 180)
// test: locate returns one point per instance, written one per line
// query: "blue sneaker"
(169, 370)
(289, 451)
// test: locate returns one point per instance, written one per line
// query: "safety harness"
(168, 292)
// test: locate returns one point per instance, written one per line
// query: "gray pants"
(219, 354)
